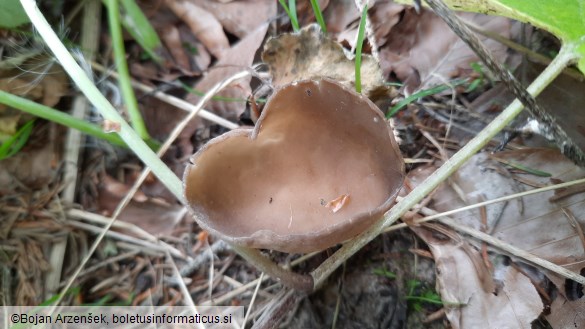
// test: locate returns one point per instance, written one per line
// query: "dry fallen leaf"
(236, 59)
(32, 166)
(203, 25)
(383, 17)
(240, 18)
(422, 51)
(46, 82)
(567, 314)
(339, 15)
(305, 12)
(336, 204)
(462, 285)
(171, 38)
(157, 218)
(549, 225)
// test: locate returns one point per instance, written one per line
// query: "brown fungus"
(320, 166)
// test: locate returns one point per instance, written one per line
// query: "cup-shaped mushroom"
(320, 166)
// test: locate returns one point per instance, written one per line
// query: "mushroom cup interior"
(320, 166)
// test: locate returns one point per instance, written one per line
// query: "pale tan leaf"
(340, 14)
(171, 38)
(202, 24)
(567, 314)
(422, 51)
(240, 18)
(236, 59)
(549, 225)
(515, 304)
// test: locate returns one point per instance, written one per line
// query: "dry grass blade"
(186, 295)
(172, 100)
(158, 249)
(253, 299)
(102, 220)
(233, 293)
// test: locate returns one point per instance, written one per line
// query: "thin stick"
(233, 293)
(102, 220)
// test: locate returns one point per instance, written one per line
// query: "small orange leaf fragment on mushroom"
(336, 204)
(202, 236)
(111, 126)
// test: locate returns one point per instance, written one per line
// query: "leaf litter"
(429, 57)
(536, 223)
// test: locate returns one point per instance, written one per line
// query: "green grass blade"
(123, 73)
(139, 27)
(59, 117)
(292, 6)
(292, 14)
(17, 141)
(521, 167)
(85, 84)
(319, 15)
(420, 94)
(358, 50)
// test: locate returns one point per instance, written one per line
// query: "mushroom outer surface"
(320, 167)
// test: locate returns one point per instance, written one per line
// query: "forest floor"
(59, 191)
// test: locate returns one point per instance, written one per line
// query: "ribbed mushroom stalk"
(320, 166)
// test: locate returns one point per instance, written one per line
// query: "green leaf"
(385, 273)
(358, 50)
(12, 14)
(139, 27)
(563, 18)
(15, 143)
(421, 94)
(319, 15)
(291, 11)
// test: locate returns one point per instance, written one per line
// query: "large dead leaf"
(38, 80)
(534, 223)
(422, 51)
(236, 59)
(466, 288)
(549, 225)
(545, 227)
